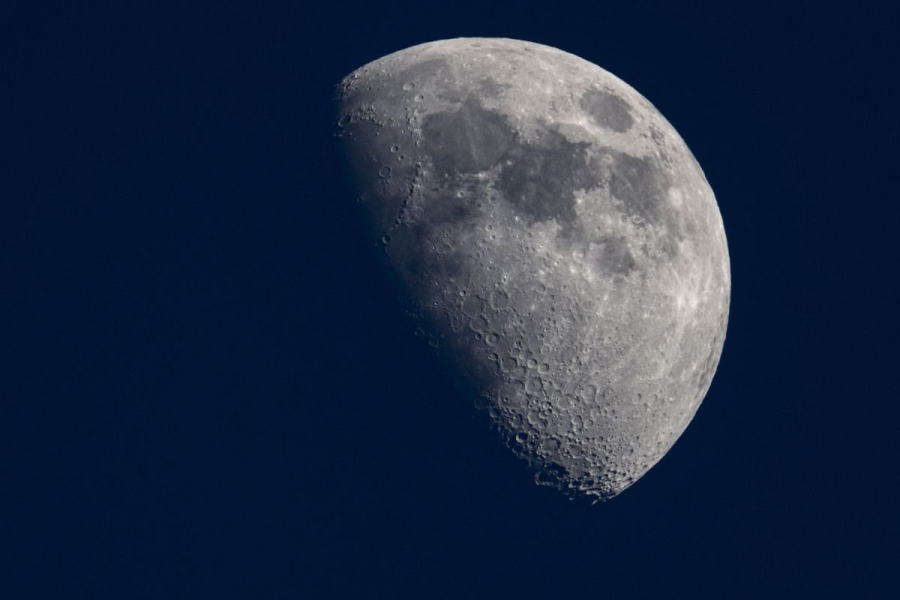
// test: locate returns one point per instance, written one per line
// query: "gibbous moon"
(553, 237)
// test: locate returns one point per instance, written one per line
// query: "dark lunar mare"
(540, 178)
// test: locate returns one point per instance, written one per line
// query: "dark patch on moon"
(488, 87)
(640, 185)
(541, 179)
(607, 110)
(467, 140)
(615, 256)
(449, 208)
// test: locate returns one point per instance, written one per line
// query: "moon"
(552, 236)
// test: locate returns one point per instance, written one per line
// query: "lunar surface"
(553, 237)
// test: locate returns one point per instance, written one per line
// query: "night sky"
(208, 390)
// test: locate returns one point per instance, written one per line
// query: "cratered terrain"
(553, 237)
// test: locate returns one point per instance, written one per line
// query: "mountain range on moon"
(553, 237)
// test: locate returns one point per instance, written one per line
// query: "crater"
(421, 72)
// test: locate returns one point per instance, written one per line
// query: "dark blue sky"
(207, 391)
